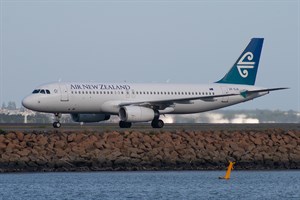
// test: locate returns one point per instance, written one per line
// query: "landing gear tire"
(157, 123)
(56, 125)
(123, 124)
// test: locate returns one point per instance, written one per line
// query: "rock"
(292, 134)
(59, 144)
(135, 142)
(286, 139)
(78, 150)
(42, 141)
(99, 144)
(114, 155)
(60, 153)
(79, 137)
(257, 141)
(282, 149)
(71, 137)
(10, 147)
(20, 136)
(2, 146)
(294, 157)
(24, 152)
(11, 136)
(136, 150)
(2, 138)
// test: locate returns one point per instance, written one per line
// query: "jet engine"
(89, 117)
(137, 114)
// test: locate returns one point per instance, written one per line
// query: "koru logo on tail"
(244, 64)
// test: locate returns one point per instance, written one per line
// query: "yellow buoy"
(230, 167)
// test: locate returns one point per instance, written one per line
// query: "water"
(151, 185)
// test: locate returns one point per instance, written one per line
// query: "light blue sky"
(148, 41)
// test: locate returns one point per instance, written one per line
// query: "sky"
(148, 42)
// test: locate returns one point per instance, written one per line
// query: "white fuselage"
(106, 98)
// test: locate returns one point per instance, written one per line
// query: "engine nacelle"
(89, 117)
(137, 114)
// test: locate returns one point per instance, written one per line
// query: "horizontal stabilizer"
(249, 92)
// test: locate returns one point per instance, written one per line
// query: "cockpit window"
(42, 91)
(35, 91)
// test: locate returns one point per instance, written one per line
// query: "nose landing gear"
(57, 124)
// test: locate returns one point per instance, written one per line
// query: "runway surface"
(147, 127)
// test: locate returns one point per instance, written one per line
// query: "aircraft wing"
(162, 104)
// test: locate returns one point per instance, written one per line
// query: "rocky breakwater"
(156, 150)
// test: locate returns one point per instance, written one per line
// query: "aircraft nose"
(28, 102)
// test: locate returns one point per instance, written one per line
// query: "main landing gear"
(57, 124)
(123, 124)
(156, 123)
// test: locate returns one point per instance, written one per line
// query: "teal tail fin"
(245, 68)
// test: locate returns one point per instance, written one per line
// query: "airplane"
(95, 102)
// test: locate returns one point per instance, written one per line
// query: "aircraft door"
(64, 96)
